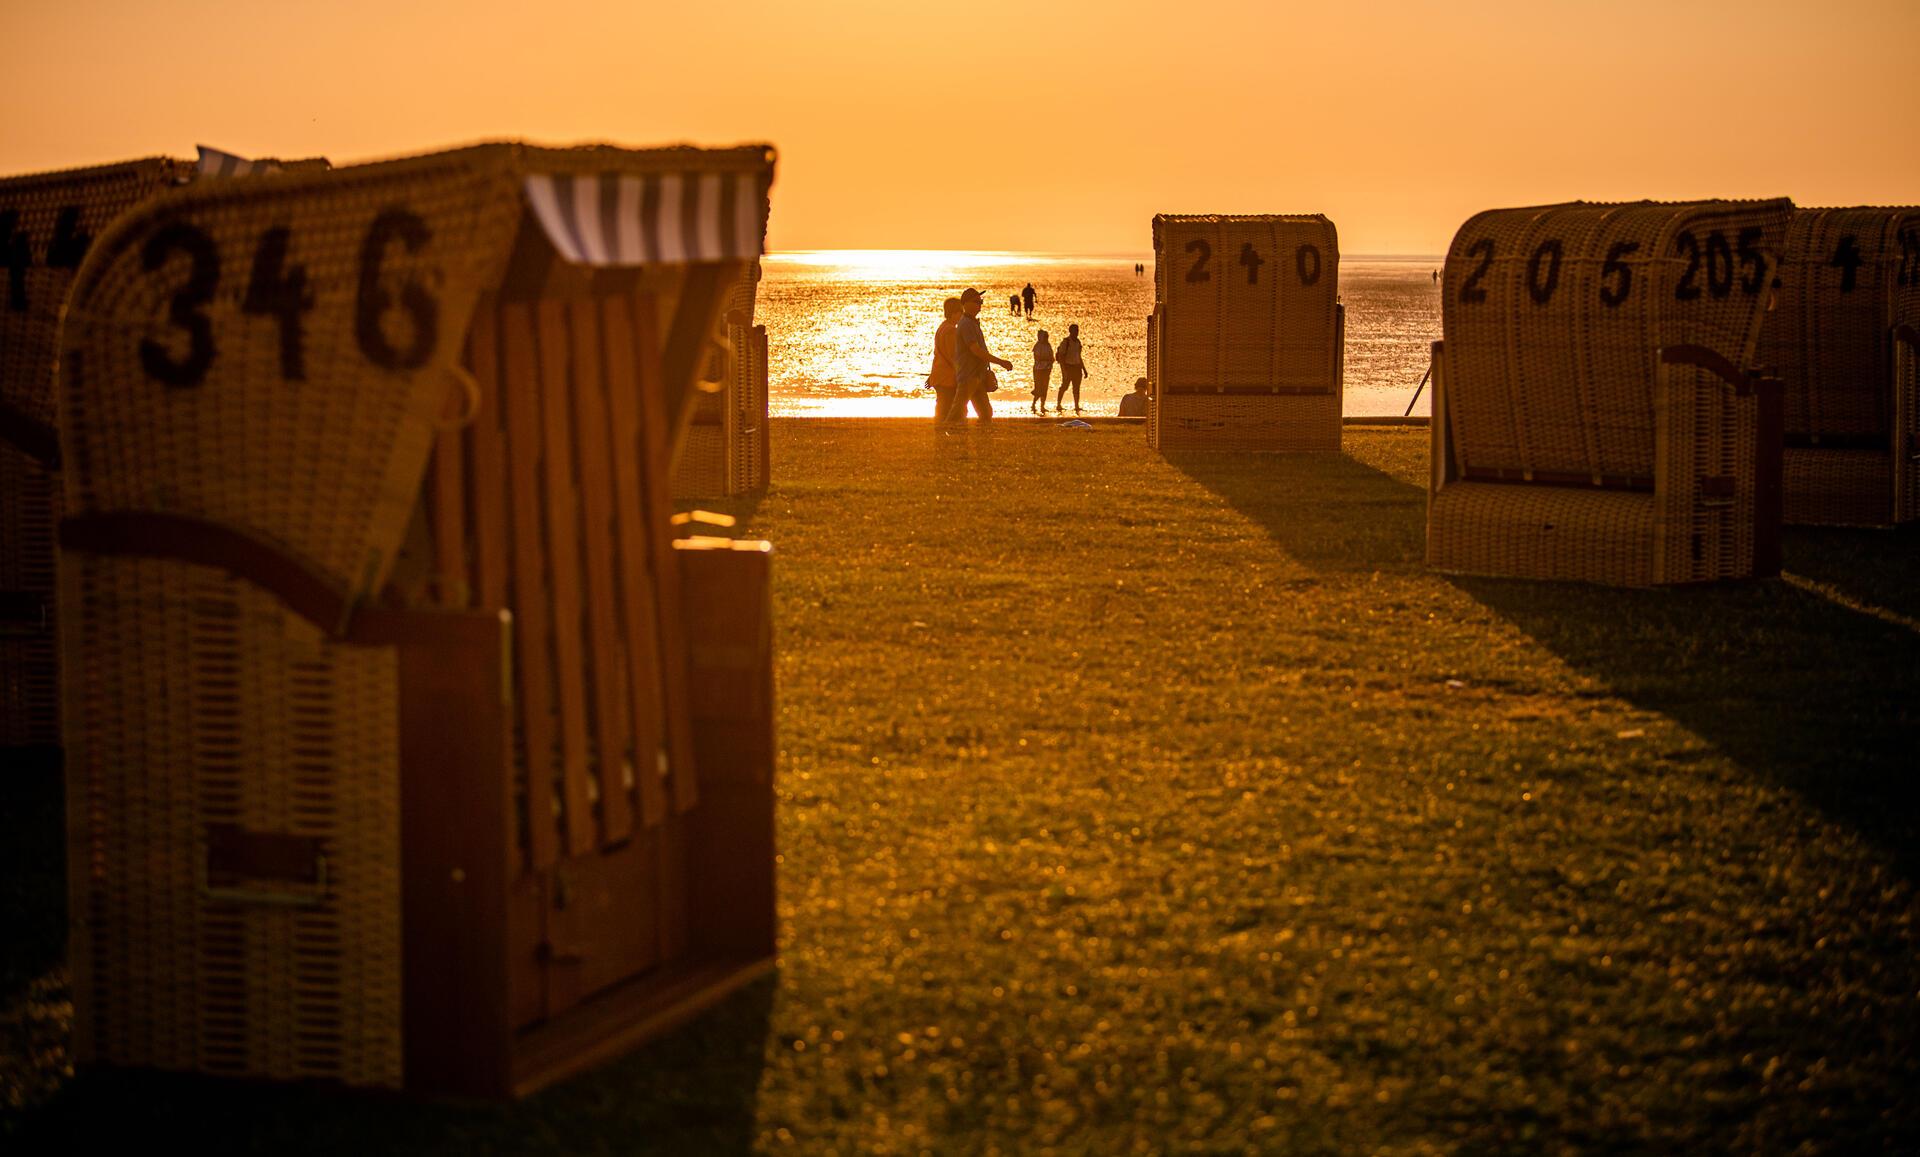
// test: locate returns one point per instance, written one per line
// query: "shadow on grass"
(1812, 695)
(693, 1091)
(1327, 511)
(1877, 567)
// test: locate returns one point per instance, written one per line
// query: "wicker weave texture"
(51, 220)
(1284, 422)
(1554, 318)
(1828, 338)
(1552, 384)
(206, 703)
(1694, 522)
(1906, 424)
(280, 359)
(185, 393)
(1843, 274)
(1551, 532)
(1844, 487)
(723, 451)
(1246, 300)
(29, 687)
(47, 223)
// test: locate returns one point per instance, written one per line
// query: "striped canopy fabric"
(214, 163)
(609, 219)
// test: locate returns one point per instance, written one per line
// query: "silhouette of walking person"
(1072, 369)
(1027, 295)
(1042, 371)
(973, 361)
(941, 378)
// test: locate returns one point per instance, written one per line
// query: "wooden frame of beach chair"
(725, 451)
(1596, 416)
(47, 222)
(405, 746)
(1248, 335)
(1842, 342)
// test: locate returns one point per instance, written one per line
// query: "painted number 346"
(280, 291)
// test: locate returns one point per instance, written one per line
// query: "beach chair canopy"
(271, 357)
(1555, 318)
(1848, 279)
(1248, 302)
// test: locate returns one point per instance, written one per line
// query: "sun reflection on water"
(850, 331)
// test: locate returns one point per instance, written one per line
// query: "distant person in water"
(1013, 305)
(1134, 405)
(1027, 295)
(973, 362)
(940, 379)
(1072, 369)
(1042, 371)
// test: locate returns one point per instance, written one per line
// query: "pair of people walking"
(962, 373)
(1072, 370)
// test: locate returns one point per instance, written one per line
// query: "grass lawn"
(1139, 805)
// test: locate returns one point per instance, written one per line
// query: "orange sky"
(1049, 126)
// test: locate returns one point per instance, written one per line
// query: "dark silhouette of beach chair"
(1247, 336)
(405, 746)
(1596, 413)
(1843, 341)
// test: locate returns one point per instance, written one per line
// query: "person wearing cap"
(940, 379)
(972, 361)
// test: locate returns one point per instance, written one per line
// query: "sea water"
(850, 332)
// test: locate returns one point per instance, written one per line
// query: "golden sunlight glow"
(1055, 127)
(905, 264)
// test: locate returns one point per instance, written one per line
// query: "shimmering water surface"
(850, 332)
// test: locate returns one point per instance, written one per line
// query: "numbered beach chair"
(1843, 342)
(47, 223)
(1248, 334)
(725, 452)
(405, 747)
(1596, 414)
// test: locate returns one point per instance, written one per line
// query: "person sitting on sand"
(1027, 295)
(973, 361)
(1042, 371)
(1072, 370)
(1134, 405)
(940, 379)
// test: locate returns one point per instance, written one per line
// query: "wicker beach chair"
(47, 223)
(1843, 343)
(1595, 413)
(1247, 335)
(725, 452)
(405, 747)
